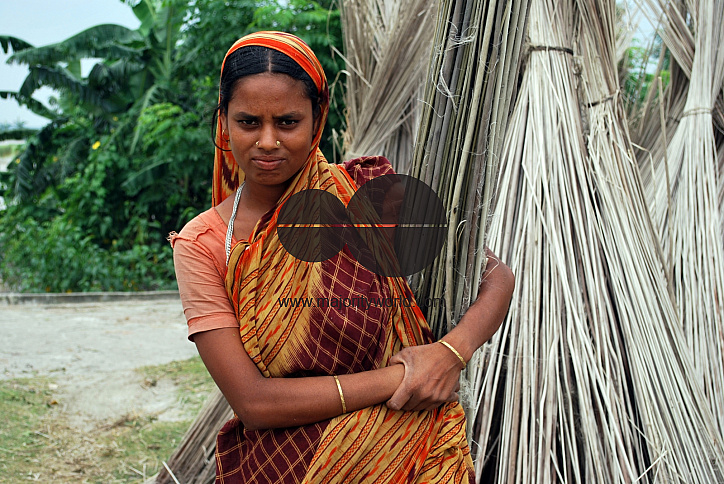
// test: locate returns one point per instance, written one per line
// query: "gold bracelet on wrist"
(450, 347)
(341, 394)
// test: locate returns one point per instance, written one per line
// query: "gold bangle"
(462, 360)
(341, 394)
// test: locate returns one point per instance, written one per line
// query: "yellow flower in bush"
(96, 145)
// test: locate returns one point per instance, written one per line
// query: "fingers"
(399, 399)
(430, 403)
(426, 384)
(400, 357)
(415, 403)
(407, 399)
(411, 406)
(395, 360)
(453, 398)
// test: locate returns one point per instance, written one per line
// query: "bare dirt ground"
(92, 349)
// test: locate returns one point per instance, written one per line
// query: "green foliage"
(639, 74)
(10, 43)
(212, 27)
(100, 41)
(127, 155)
(58, 256)
(17, 133)
(34, 105)
(176, 150)
(45, 161)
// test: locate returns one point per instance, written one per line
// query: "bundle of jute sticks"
(386, 50)
(590, 379)
(681, 162)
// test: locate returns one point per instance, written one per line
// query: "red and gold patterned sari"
(372, 445)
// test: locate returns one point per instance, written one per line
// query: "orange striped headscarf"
(227, 175)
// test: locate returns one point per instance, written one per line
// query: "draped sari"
(374, 444)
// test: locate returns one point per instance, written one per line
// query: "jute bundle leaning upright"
(590, 379)
(685, 189)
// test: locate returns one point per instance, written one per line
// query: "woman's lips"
(267, 163)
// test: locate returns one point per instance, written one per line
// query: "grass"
(38, 442)
(22, 402)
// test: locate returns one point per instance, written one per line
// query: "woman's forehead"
(267, 89)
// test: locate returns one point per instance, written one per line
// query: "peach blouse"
(200, 261)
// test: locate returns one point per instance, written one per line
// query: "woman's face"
(267, 108)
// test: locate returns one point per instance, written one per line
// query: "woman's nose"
(267, 138)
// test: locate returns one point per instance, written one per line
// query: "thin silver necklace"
(230, 230)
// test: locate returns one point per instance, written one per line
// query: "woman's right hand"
(432, 378)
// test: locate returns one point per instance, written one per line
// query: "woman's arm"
(434, 370)
(260, 402)
(487, 313)
(263, 403)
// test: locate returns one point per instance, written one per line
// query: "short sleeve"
(200, 277)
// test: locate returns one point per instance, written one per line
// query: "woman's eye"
(247, 122)
(288, 122)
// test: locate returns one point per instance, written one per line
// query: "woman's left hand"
(432, 371)
(432, 377)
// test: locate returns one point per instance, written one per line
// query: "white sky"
(43, 22)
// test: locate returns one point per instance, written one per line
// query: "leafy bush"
(58, 256)
(127, 156)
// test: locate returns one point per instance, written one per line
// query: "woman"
(322, 393)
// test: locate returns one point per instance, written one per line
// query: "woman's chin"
(269, 179)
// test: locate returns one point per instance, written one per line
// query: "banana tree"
(137, 68)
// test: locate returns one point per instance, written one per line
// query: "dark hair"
(255, 59)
